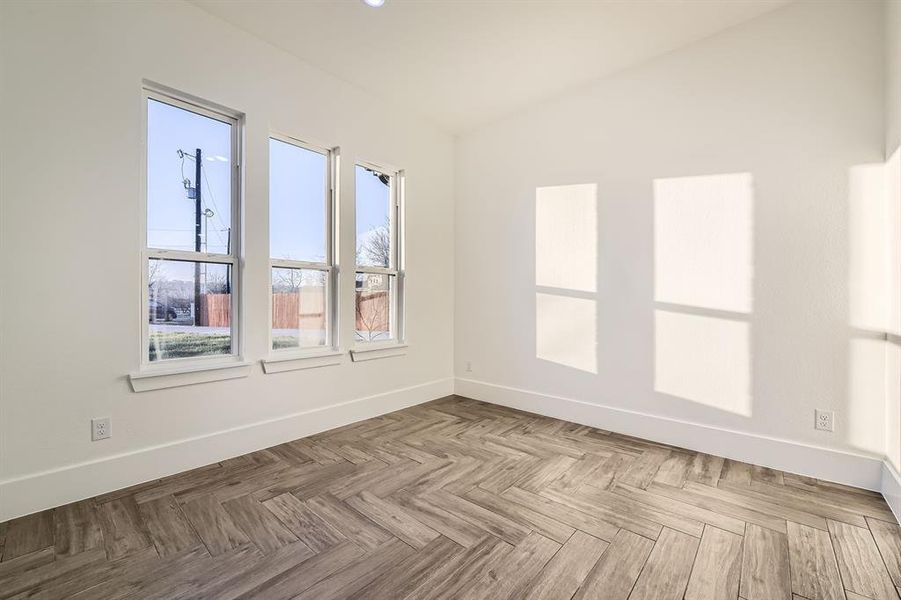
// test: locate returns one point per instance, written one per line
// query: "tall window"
(192, 199)
(301, 244)
(379, 272)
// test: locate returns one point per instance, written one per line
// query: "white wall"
(70, 242)
(893, 75)
(706, 230)
(893, 222)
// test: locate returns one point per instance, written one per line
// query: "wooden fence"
(304, 310)
(215, 310)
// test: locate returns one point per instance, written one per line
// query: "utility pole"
(198, 215)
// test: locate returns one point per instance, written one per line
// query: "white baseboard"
(891, 488)
(839, 466)
(47, 489)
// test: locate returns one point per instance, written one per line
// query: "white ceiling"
(466, 62)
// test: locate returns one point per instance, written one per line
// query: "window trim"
(165, 95)
(330, 266)
(397, 267)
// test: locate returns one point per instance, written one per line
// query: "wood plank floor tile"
(686, 509)
(288, 583)
(167, 526)
(713, 503)
(449, 525)
(123, 530)
(562, 513)
(640, 512)
(461, 572)
(491, 522)
(543, 524)
(888, 540)
(766, 475)
(407, 575)
(566, 571)
(862, 568)
(357, 575)
(393, 519)
(643, 470)
(666, 573)
(717, 568)
(783, 496)
(766, 507)
(675, 469)
(76, 528)
(454, 499)
(260, 525)
(214, 525)
(736, 471)
(814, 571)
(304, 523)
(28, 534)
(614, 575)
(52, 573)
(349, 522)
(765, 571)
(706, 469)
(512, 576)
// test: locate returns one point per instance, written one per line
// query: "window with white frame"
(192, 230)
(301, 249)
(379, 270)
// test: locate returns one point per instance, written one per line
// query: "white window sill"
(296, 361)
(361, 353)
(158, 379)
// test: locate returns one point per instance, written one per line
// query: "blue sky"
(373, 204)
(170, 214)
(297, 189)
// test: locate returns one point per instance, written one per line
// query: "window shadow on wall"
(703, 282)
(566, 275)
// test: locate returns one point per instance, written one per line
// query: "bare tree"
(287, 281)
(216, 283)
(373, 309)
(154, 275)
(375, 248)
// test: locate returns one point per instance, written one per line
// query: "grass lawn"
(183, 344)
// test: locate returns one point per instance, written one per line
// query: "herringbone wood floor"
(460, 499)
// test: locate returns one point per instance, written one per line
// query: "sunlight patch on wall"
(703, 241)
(566, 237)
(703, 359)
(868, 247)
(866, 393)
(566, 331)
(893, 218)
(893, 403)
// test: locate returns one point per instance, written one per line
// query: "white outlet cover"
(824, 420)
(101, 429)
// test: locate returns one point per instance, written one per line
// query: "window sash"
(396, 255)
(235, 121)
(329, 266)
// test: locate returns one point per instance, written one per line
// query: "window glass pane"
(189, 309)
(298, 308)
(375, 307)
(174, 136)
(373, 192)
(297, 200)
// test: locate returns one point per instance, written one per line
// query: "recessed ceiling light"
(374, 3)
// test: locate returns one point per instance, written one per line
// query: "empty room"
(450, 299)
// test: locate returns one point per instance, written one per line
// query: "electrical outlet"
(101, 429)
(824, 420)
(468, 367)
